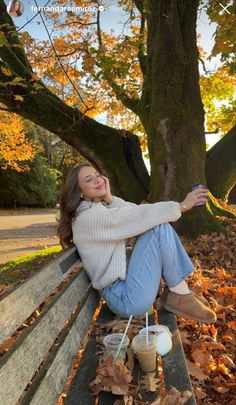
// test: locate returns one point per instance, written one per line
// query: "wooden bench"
(42, 325)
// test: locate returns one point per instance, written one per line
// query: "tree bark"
(221, 165)
(175, 118)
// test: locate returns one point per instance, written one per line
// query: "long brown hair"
(12, 8)
(70, 199)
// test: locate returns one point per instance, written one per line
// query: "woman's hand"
(194, 197)
(108, 198)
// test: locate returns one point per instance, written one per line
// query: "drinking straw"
(146, 328)
(123, 337)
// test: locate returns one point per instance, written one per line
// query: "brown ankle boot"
(189, 306)
(202, 299)
(160, 300)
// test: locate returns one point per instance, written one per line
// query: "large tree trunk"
(221, 165)
(117, 153)
(175, 125)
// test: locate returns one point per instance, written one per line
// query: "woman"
(15, 8)
(100, 224)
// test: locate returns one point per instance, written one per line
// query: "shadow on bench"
(42, 324)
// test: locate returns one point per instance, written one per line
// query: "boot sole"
(180, 313)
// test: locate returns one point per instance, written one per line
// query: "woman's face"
(17, 6)
(92, 184)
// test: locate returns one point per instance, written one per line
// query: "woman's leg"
(157, 253)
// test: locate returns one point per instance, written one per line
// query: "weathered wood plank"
(79, 392)
(57, 372)
(174, 364)
(18, 305)
(69, 260)
(19, 364)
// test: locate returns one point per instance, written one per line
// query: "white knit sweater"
(100, 232)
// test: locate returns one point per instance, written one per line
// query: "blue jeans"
(157, 253)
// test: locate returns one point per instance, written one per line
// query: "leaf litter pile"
(209, 349)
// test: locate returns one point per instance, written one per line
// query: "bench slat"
(18, 305)
(79, 392)
(69, 260)
(174, 364)
(20, 363)
(50, 382)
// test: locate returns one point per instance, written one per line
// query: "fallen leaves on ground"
(210, 348)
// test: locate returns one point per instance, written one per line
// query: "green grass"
(22, 267)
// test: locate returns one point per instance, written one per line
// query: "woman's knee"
(162, 228)
(140, 303)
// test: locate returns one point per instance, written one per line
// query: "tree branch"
(140, 6)
(131, 103)
(60, 63)
(76, 22)
(203, 65)
(217, 130)
(12, 41)
(6, 110)
(15, 64)
(142, 58)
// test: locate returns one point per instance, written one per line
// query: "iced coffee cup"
(145, 351)
(112, 344)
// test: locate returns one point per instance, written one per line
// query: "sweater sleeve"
(119, 202)
(128, 221)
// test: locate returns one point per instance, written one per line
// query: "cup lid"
(140, 341)
(156, 329)
(114, 339)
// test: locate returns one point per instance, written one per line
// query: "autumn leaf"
(196, 372)
(149, 382)
(3, 40)
(112, 375)
(227, 361)
(130, 362)
(204, 360)
(6, 71)
(199, 393)
(184, 338)
(173, 396)
(14, 146)
(19, 98)
(126, 400)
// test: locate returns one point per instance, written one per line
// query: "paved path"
(26, 233)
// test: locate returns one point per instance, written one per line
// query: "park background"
(90, 89)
